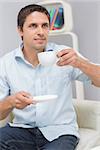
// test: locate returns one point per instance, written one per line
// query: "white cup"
(48, 58)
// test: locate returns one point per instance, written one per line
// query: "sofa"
(88, 117)
(96, 148)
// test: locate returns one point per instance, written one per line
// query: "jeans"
(15, 138)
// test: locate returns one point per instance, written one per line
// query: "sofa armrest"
(88, 113)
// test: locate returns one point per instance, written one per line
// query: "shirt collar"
(19, 53)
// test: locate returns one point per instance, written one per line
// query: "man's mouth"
(38, 39)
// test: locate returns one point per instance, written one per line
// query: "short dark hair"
(27, 10)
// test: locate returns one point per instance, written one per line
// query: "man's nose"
(40, 30)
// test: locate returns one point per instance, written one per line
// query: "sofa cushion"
(89, 138)
(96, 148)
(88, 114)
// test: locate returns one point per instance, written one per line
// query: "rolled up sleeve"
(4, 87)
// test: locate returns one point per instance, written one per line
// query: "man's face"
(35, 31)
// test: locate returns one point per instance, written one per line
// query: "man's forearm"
(92, 70)
(5, 108)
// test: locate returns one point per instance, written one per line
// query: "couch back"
(88, 113)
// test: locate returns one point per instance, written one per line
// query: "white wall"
(86, 15)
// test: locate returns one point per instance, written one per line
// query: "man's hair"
(27, 10)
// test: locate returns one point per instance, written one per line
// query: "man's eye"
(45, 25)
(33, 26)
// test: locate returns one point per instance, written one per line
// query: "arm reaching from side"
(75, 59)
(19, 100)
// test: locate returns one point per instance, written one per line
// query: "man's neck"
(31, 56)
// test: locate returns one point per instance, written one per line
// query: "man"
(38, 126)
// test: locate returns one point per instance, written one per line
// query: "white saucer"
(43, 98)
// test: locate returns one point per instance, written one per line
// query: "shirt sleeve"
(4, 87)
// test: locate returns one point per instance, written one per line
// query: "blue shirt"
(54, 118)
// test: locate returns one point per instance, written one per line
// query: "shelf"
(61, 16)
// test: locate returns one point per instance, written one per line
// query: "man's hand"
(69, 57)
(20, 100)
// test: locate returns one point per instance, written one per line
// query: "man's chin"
(40, 48)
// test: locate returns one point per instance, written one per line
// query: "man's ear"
(20, 31)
